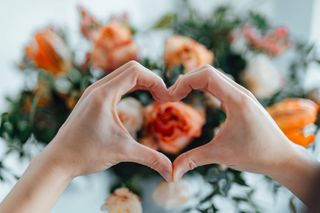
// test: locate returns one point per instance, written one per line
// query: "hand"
(248, 140)
(93, 137)
(91, 140)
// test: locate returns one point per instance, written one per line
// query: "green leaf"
(259, 21)
(165, 21)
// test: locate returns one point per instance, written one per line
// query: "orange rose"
(171, 126)
(180, 50)
(293, 116)
(113, 46)
(49, 52)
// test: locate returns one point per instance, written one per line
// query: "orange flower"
(293, 115)
(49, 52)
(171, 126)
(180, 50)
(113, 46)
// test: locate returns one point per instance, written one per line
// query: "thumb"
(189, 160)
(155, 160)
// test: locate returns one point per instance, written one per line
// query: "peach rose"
(294, 116)
(171, 126)
(180, 50)
(122, 200)
(173, 194)
(113, 46)
(49, 52)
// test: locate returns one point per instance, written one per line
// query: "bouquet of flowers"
(244, 47)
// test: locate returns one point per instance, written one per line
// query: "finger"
(206, 79)
(108, 77)
(136, 78)
(238, 86)
(187, 161)
(153, 159)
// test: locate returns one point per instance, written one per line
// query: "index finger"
(209, 80)
(135, 78)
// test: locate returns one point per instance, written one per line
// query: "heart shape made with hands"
(206, 79)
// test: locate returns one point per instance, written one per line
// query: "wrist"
(297, 171)
(57, 160)
(53, 166)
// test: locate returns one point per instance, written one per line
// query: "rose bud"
(48, 51)
(88, 24)
(295, 116)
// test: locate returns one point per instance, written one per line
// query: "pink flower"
(273, 43)
(88, 24)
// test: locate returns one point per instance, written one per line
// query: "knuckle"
(191, 164)
(208, 72)
(155, 161)
(135, 67)
(244, 102)
(133, 63)
(98, 97)
(207, 67)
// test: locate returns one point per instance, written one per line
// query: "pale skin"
(93, 139)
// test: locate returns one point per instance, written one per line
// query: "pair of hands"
(93, 137)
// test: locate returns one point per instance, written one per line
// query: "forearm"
(298, 172)
(38, 189)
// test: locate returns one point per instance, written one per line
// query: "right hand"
(248, 140)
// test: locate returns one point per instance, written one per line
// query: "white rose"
(130, 112)
(122, 200)
(261, 77)
(172, 195)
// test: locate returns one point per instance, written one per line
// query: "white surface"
(19, 19)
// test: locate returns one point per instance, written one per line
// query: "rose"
(48, 51)
(113, 46)
(261, 77)
(122, 200)
(130, 112)
(173, 194)
(171, 126)
(180, 50)
(294, 116)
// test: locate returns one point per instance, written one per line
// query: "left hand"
(93, 137)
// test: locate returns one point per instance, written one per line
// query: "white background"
(20, 18)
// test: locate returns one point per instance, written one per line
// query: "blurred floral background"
(51, 51)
